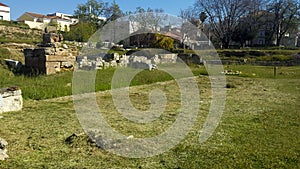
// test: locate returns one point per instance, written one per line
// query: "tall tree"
(81, 32)
(91, 11)
(285, 17)
(113, 12)
(148, 19)
(223, 16)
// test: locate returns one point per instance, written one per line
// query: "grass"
(46, 87)
(14, 24)
(259, 129)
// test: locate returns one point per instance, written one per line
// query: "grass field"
(260, 127)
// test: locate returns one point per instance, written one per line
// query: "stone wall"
(51, 56)
(10, 99)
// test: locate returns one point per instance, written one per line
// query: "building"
(4, 12)
(40, 21)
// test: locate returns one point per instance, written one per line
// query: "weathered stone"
(10, 99)
(52, 38)
(3, 150)
(50, 29)
(3, 143)
(48, 60)
(3, 154)
(65, 46)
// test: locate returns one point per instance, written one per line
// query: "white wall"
(5, 13)
(36, 25)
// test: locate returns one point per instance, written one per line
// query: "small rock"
(3, 143)
(130, 137)
(3, 154)
(65, 46)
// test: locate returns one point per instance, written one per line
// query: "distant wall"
(36, 25)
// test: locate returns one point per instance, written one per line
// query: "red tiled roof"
(1, 4)
(35, 15)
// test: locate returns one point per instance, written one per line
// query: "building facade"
(40, 21)
(4, 12)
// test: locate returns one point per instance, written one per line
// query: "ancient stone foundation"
(10, 99)
(51, 56)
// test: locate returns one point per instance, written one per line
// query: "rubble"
(114, 60)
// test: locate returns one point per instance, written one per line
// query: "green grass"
(45, 87)
(259, 129)
(266, 71)
(14, 24)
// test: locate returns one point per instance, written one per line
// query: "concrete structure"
(40, 21)
(4, 12)
(10, 99)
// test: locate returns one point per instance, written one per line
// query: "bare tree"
(148, 19)
(223, 16)
(285, 16)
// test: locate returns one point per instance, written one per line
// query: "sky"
(18, 7)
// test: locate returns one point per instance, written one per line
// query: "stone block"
(52, 67)
(10, 99)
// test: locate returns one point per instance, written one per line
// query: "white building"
(64, 16)
(4, 12)
(40, 21)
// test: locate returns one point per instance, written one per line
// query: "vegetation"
(240, 21)
(14, 24)
(163, 42)
(81, 32)
(90, 19)
(259, 128)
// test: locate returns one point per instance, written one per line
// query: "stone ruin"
(104, 61)
(51, 56)
(3, 150)
(10, 99)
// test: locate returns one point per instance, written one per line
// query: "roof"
(35, 15)
(1, 4)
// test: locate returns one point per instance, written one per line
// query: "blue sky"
(18, 7)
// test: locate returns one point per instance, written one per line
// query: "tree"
(91, 11)
(81, 32)
(193, 17)
(162, 41)
(148, 19)
(285, 16)
(245, 31)
(113, 12)
(223, 16)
